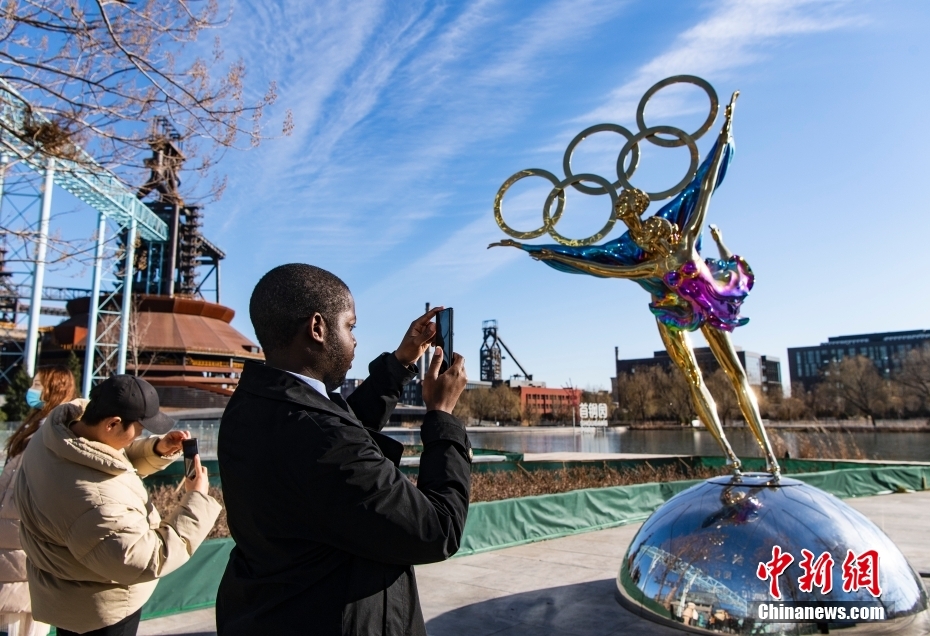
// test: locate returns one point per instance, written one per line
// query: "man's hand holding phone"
(418, 338)
(443, 338)
(441, 391)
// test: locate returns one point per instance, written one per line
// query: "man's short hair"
(290, 294)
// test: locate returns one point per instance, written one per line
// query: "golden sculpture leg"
(678, 345)
(723, 350)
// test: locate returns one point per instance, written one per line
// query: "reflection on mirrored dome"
(696, 562)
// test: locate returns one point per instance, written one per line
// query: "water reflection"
(686, 441)
(874, 445)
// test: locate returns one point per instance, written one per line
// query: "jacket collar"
(58, 438)
(264, 381)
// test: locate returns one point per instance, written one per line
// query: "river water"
(872, 445)
(909, 446)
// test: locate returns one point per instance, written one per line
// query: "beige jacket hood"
(95, 543)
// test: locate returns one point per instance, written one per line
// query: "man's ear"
(111, 422)
(316, 328)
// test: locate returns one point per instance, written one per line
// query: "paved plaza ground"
(565, 587)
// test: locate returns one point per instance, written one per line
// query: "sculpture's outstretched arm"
(506, 243)
(646, 269)
(692, 228)
(717, 235)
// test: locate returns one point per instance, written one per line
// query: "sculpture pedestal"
(695, 563)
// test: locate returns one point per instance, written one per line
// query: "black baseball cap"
(133, 400)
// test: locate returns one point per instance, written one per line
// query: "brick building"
(547, 403)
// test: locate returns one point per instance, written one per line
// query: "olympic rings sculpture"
(605, 186)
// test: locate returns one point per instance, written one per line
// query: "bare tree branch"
(101, 70)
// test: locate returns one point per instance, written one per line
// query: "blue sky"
(409, 116)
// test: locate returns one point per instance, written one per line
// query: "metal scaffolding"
(105, 193)
(693, 574)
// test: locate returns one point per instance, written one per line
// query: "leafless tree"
(637, 392)
(504, 404)
(856, 387)
(139, 324)
(914, 377)
(722, 389)
(498, 404)
(675, 396)
(97, 73)
(793, 407)
(530, 415)
(462, 408)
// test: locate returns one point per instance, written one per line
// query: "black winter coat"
(326, 527)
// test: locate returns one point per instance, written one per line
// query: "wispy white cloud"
(306, 48)
(344, 168)
(309, 50)
(457, 262)
(735, 35)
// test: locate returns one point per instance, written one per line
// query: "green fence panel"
(194, 585)
(865, 482)
(499, 524)
(788, 466)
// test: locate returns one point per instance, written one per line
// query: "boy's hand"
(171, 443)
(201, 482)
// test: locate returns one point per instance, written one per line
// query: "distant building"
(547, 403)
(412, 394)
(348, 386)
(761, 371)
(885, 350)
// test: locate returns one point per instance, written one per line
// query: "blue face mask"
(34, 398)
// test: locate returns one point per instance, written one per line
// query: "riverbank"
(803, 426)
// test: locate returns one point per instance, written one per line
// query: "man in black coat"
(327, 528)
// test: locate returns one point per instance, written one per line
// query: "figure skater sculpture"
(662, 254)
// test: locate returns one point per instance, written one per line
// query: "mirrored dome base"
(695, 563)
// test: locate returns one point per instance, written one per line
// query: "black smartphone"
(443, 337)
(190, 452)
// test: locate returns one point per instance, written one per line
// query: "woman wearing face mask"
(51, 387)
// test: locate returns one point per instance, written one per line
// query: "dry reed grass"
(494, 486)
(831, 445)
(507, 485)
(167, 498)
(502, 485)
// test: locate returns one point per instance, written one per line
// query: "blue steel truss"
(20, 200)
(685, 570)
(84, 178)
(104, 192)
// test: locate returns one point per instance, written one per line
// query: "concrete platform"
(585, 457)
(564, 587)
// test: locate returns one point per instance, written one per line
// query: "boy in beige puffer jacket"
(95, 543)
